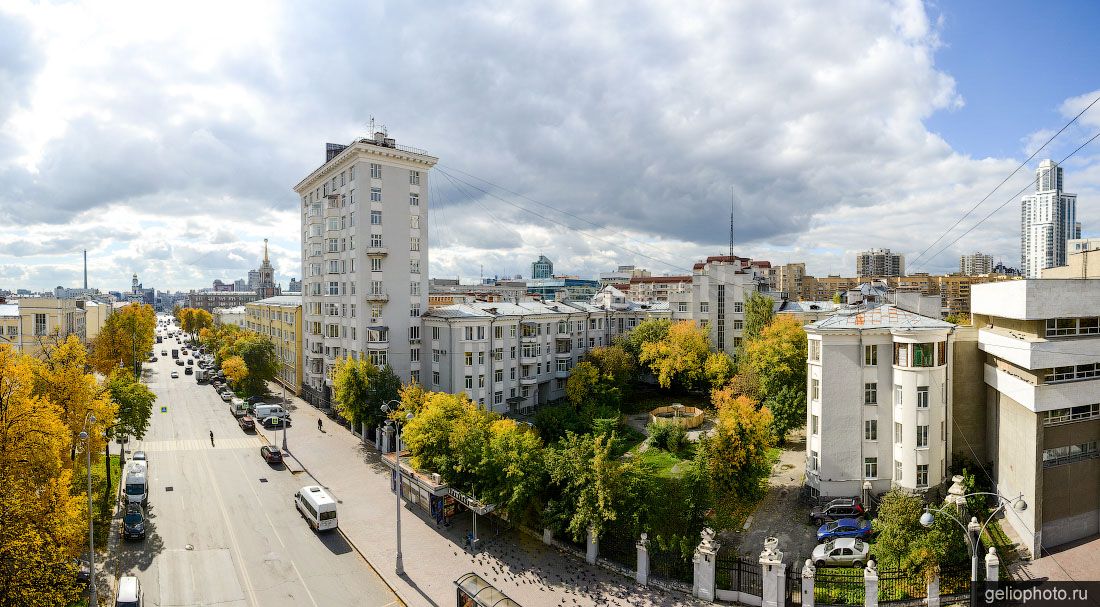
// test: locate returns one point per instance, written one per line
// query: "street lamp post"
(390, 407)
(973, 530)
(91, 533)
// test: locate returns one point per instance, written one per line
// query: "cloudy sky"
(165, 137)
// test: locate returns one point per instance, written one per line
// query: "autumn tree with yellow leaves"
(735, 456)
(194, 320)
(60, 378)
(126, 338)
(679, 357)
(235, 369)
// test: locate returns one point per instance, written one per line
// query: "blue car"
(845, 527)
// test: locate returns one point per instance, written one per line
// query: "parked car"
(179, 362)
(271, 455)
(246, 423)
(276, 422)
(153, 359)
(842, 551)
(164, 352)
(175, 375)
(254, 400)
(845, 527)
(190, 361)
(83, 571)
(226, 396)
(133, 522)
(837, 509)
(138, 456)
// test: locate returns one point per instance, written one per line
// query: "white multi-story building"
(1048, 218)
(513, 356)
(364, 258)
(878, 406)
(975, 264)
(234, 315)
(878, 263)
(716, 297)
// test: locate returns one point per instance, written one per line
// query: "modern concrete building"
(1048, 218)
(210, 300)
(787, 279)
(975, 264)
(542, 268)
(563, 288)
(653, 289)
(878, 263)
(1041, 341)
(280, 319)
(622, 275)
(878, 407)
(716, 297)
(364, 259)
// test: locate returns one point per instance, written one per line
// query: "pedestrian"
(211, 438)
(319, 429)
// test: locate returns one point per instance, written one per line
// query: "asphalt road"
(223, 527)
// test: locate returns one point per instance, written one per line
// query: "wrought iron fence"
(794, 584)
(619, 547)
(671, 564)
(955, 580)
(737, 573)
(900, 585)
(839, 586)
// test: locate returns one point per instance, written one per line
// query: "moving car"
(271, 455)
(129, 592)
(133, 522)
(189, 371)
(153, 359)
(164, 352)
(842, 551)
(138, 456)
(175, 375)
(226, 395)
(837, 509)
(845, 527)
(246, 423)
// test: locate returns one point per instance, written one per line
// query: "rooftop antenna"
(732, 203)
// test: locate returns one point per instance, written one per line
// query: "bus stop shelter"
(474, 591)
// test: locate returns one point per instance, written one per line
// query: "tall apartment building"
(878, 263)
(514, 356)
(1041, 342)
(364, 258)
(716, 297)
(652, 289)
(542, 268)
(280, 319)
(878, 407)
(976, 263)
(787, 278)
(1048, 218)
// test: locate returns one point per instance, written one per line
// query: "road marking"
(183, 444)
(232, 536)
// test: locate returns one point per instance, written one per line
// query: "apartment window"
(814, 425)
(343, 178)
(414, 333)
(414, 311)
(870, 429)
(414, 244)
(870, 393)
(682, 306)
(435, 355)
(469, 382)
(435, 378)
(375, 240)
(414, 222)
(815, 349)
(333, 288)
(498, 354)
(922, 436)
(414, 177)
(376, 194)
(870, 467)
(901, 355)
(922, 397)
(498, 375)
(1069, 454)
(498, 397)
(481, 333)
(870, 355)
(39, 324)
(351, 196)
(737, 325)
(897, 432)
(897, 471)
(512, 353)
(923, 355)
(941, 352)
(815, 389)
(375, 264)
(813, 461)
(377, 288)
(897, 395)
(376, 218)
(414, 355)
(704, 307)
(351, 173)
(414, 288)
(469, 333)
(922, 475)
(414, 266)
(738, 307)
(481, 358)
(375, 171)
(376, 310)
(1059, 416)
(481, 381)
(414, 376)
(414, 200)
(498, 332)
(435, 332)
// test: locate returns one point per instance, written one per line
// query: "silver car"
(841, 551)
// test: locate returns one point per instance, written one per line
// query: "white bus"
(317, 507)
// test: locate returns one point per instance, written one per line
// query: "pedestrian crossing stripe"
(196, 444)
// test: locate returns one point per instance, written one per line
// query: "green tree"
(615, 363)
(759, 312)
(680, 357)
(555, 421)
(648, 331)
(735, 455)
(777, 358)
(428, 435)
(582, 382)
(517, 473)
(135, 404)
(258, 353)
(904, 543)
(126, 337)
(351, 381)
(62, 379)
(235, 369)
(588, 484)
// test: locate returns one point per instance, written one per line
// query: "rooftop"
(877, 316)
(280, 300)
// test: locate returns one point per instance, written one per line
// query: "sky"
(165, 138)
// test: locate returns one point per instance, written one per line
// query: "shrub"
(659, 433)
(677, 435)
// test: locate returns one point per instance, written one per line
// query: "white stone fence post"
(705, 561)
(641, 572)
(773, 581)
(808, 572)
(870, 585)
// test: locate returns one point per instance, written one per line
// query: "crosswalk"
(245, 442)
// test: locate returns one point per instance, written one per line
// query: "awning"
(483, 593)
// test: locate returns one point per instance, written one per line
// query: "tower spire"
(265, 250)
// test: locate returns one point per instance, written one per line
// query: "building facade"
(788, 279)
(234, 315)
(878, 263)
(716, 296)
(364, 218)
(975, 264)
(653, 289)
(209, 300)
(878, 407)
(1048, 218)
(30, 324)
(542, 268)
(1041, 342)
(280, 319)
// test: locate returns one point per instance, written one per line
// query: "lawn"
(664, 462)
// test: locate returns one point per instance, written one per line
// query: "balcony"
(528, 338)
(529, 380)
(563, 335)
(380, 297)
(563, 354)
(377, 251)
(559, 374)
(528, 360)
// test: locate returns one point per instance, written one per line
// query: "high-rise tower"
(1048, 218)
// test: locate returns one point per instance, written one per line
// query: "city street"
(223, 527)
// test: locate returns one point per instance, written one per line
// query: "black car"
(133, 523)
(254, 400)
(189, 371)
(275, 422)
(837, 509)
(271, 455)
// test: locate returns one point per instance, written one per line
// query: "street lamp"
(973, 530)
(91, 534)
(390, 407)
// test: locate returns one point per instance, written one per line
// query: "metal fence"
(621, 548)
(794, 584)
(900, 585)
(955, 580)
(671, 564)
(839, 586)
(737, 573)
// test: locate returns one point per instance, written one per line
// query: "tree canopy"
(679, 357)
(360, 389)
(194, 320)
(777, 359)
(126, 337)
(134, 401)
(759, 312)
(648, 331)
(735, 456)
(904, 543)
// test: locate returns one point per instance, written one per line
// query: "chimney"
(85, 269)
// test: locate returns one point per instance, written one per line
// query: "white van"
(129, 592)
(265, 411)
(136, 486)
(317, 507)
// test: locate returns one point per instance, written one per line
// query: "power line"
(1005, 180)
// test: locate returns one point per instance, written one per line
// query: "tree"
(648, 331)
(427, 435)
(515, 457)
(777, 357)
(126, 337)
(41, 523)
(194, 320)
(588, 484)
(260, 359)
(360, 389)
(735, 456)
(679, 357)
(135, 404)
(235, 369)
(904, 543)
(719, 369)
(61, 378)
(759, 312)
(582, 382)
(615, 363)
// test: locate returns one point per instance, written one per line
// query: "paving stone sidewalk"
(528, 571)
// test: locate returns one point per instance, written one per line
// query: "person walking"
(211, 438)
(319, 428)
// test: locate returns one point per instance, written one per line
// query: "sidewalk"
(520, 566)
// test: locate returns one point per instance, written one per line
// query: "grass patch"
(627, 439)
(103, 501)
(663, 461)
(773, 455)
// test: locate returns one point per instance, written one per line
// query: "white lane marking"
(185, 444)
(232, 536)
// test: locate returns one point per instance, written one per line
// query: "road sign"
(164, 409)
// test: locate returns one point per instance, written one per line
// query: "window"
(469, 381)
(941, 352)
(498, 332)
(1059, 416)
(414, 200)
(343, 178)
(498, 397)
(815, 349)
(469, 333)
(870, 429)
(435, 378)
(922, 397)
(682, 306)
(375, 264)
(737, 325)
(923, 355)
(333, 223)
(813, 461)
(815, 389)
(376, 218)
(870, 393)
(351, 173)
(922, 436)
(814, 424)
(738, 307)
(1069, 454)
(414, 244)
(481, 381)
(414, 311)
(376, 194)
(375, 171)
(498, 375)
(414, 288)
(435, 355)
(922, 475)
(481, 358)
(704, 307)
(414, 333)
(414, 355)
(897, 471)
(414, 222)
(414, 266)
(414, 177)
(870, 355)
(870, 467)
(435, 332)
(39, 324)
(897, 395)
(901, 355)
(376, 241)
(897, 432)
